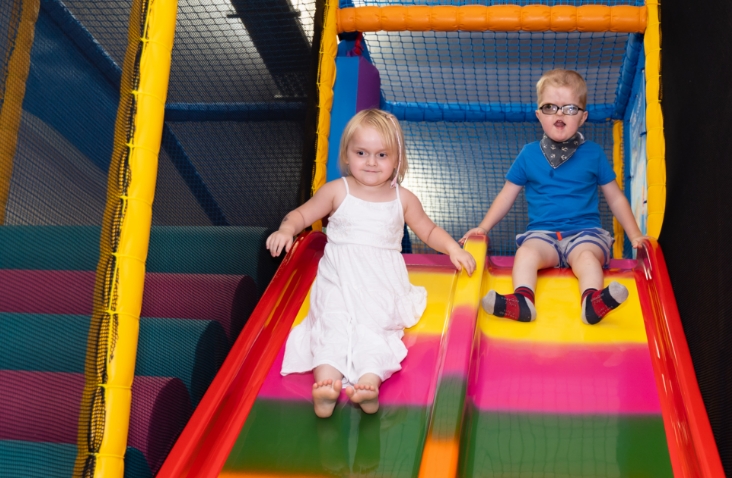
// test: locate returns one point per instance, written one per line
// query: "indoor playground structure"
(147, 149)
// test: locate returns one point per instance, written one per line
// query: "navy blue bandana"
(558, 153)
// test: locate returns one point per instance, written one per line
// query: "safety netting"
(57, 120)
(230, 167)
(467, 101)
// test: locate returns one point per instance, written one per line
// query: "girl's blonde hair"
(388, 128)
(563, 78)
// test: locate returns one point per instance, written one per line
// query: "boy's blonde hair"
(388, 128)
(563, 78)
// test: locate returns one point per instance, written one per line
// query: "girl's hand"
(277, 241)
(638, 241)
(462, 259)
(476, 231)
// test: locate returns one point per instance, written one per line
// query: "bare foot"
(365, 395)
(325, 396)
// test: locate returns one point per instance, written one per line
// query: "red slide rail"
(205, 444)
(691, 444)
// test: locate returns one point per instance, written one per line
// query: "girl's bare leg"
(326, 389)
(366, 392)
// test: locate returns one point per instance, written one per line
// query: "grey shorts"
(565, 242)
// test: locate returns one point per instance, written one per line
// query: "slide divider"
(442, 444)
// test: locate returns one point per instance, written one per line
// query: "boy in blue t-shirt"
(561, 174)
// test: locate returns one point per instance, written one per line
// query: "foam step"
(227, 299)
(176, 249)
(44, 407)
(49, 247)
(35, 459)
(160, 409)
(44, 460)
(40, 406)
(195, 349)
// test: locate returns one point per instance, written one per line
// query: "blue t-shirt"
(562, 199)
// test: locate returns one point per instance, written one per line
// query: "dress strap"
(346, 181)
(399, 202)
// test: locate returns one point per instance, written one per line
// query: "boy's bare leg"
(586, 261)
(534, 254)
(326, 389)
(366, 392)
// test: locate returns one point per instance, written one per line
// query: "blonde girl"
(361, 300)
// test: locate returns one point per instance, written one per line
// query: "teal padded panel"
(45, 460)
(49, 247)
(194, 349)
(36, 460)
(135, 464)
(43, 342)
(177, 249)
(211, 250)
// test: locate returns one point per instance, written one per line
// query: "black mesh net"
(229, 169)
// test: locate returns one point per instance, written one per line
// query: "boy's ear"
(585, 114)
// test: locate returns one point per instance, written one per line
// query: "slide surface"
(477, 395)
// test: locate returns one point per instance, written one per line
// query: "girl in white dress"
(361, 299)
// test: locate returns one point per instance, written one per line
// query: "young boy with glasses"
(561, 174)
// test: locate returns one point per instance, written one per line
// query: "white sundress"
(361, 299)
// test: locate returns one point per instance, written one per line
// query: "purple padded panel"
(40, 406)
(224, 298)
(369, 86)
(44, 407)
(46, 292)
(227, 299)
(160, 409)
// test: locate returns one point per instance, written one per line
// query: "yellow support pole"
(326, 80)
(112, 349)
(13, 91)
(655, 142)
(618, 167)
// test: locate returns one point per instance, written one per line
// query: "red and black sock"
(596, 304)
(517, 306)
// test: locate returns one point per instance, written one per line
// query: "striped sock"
(596, 304)
(517, 306)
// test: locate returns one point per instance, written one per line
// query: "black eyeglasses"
(551, 109)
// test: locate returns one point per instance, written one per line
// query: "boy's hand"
(476, 231)
(462, 259)
(277, 241)
(638, 241)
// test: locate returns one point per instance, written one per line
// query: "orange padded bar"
(537, 18)
(502, 18)
(564, 18)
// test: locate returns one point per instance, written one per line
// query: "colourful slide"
(477, 395)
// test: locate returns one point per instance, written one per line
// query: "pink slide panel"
(406, 387)
(564, 378)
